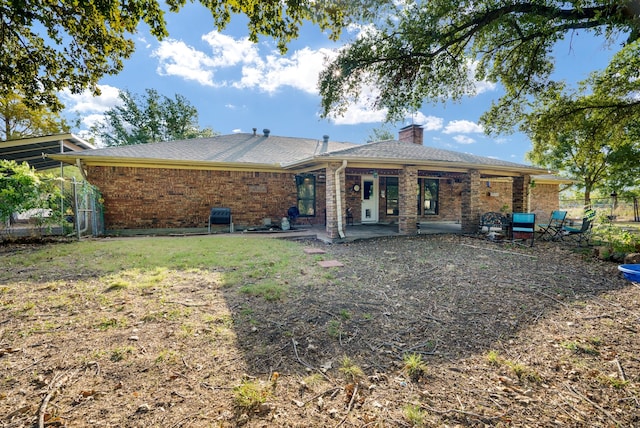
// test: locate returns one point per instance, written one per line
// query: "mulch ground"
(509, 336)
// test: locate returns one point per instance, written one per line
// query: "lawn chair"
(553, 229)
(523, 226)
(583, 233)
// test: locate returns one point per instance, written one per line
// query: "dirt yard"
(419, 331)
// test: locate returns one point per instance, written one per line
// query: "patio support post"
(331, 201)
(521, 194)
(470, 202)
(407, 208)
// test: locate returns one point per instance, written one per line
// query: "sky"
(237, 85)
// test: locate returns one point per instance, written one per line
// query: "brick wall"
(521, 190)
(407, 201)
(496, 197)
(140, 198)
(544, 198)
(470, 202)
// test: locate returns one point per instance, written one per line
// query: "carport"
(34, 150)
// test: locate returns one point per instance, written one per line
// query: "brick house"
(259, 176)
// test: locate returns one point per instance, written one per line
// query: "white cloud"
(429, 123)
(463, 139)
(359, 112)
(299, 71)
(178, 59)
(86, 102)
(229, 52)
(462, 127)
(236, 131)
(481, 86)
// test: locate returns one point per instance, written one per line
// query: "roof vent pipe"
(254, 131)
(325, 138)
(266, 132)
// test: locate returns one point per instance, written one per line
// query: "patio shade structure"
(34, 150)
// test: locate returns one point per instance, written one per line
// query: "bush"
(22, 189)
(616, 239)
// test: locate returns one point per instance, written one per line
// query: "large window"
(392, 195)
(428, 190)
(306, 189)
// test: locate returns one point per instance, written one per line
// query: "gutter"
(339, 198)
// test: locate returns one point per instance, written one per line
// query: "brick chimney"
(411, 134)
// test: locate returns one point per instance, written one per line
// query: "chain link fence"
(81, 215)
(615, 209)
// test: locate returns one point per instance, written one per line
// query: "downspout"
(339, 198)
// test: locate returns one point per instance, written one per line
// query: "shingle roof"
(232, 148)
(407, 151)
(251, 149)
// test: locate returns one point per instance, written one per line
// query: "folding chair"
(583, 233)
(553, 229)
(523, 225)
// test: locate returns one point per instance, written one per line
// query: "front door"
(369, 193)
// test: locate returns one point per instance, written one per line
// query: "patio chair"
(523, 226)
(219, 215)
(553, 229)
(492, 223)
(583, 233)
(349, 216)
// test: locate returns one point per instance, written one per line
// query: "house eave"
(355, 162)
(106, 161)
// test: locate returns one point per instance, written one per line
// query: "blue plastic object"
(631, 272)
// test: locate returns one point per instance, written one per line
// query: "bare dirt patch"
(509, 336)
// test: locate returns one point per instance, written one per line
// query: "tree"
(149, 119)
(380, 134)
(22, 121)
(436, 50)
(588, 141)
(50, 45)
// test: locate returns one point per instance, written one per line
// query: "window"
(392, 195)
(306, 190)
(428, 190)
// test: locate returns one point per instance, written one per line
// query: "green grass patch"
(414, 366)
(120, 353)
(250, 394)
(582, 348)
(156, 254)
(269, 291)
(414, 415)
(350, 369)
(107, 323)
